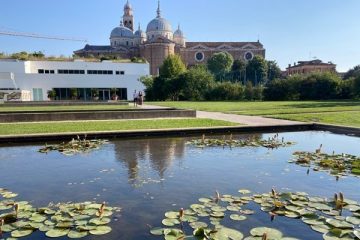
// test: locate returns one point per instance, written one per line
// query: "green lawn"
(91, 126)
(63, 108)
(333, 112)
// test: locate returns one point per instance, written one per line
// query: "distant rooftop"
(315, 62)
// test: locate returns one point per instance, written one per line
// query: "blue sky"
(291, 30)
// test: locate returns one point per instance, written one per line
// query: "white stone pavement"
(241, 119)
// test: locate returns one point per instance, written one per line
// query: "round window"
(199, 56)
(249, 56)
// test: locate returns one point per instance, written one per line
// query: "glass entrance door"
(104, 94)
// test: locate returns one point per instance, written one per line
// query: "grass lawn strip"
(119, 125)
(336, 118)
(345, 113)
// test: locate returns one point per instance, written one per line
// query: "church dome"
(140, 34)
(179, 33)
(121, 31)
(159, 24)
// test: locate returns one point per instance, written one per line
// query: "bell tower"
(128, 17)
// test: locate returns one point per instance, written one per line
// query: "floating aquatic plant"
(336, 164)
(74, 220)
(74, 146)
(337, 218)
(271, 142)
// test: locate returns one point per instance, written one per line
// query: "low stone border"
(31, 138)
(61, 103)
(14, 117)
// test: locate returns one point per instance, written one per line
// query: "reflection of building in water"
(159, 154)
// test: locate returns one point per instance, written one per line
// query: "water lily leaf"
(189, 219)
(20, 233)
(37, 218)
(195, 225)
(173, 234)
(99, 221)
(101, 230)
(320, 228)
(244, 191)
(157, 231)
(353, 220)
(357, 233)
(237, 217)
(169, 222)
(233, 208)
(339, 224)
(272, 233)
(36, 225)
(227, 233)
(45, 228)
(217, 214)
(76, 234)
(218, 209)
(205, 200)
(7, 228)
(172, 214)
(57, 232)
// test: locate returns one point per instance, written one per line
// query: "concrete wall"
(94, 115)
(27, 78)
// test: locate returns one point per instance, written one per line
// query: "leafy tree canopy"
(220, 63)
(172, 67)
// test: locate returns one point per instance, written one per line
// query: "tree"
(273, 70)
(356, 87)
(219, 64)
(226, 91)
(249, 91)
(172, 67)
(354, 72)
(256, 70)
(238, 70)
(197, 81)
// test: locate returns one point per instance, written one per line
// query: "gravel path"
(241, 119)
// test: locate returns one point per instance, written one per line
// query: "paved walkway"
(241, 119)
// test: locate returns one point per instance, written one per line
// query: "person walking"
(141, 98)
(135, 97)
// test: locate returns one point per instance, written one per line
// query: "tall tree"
(274, 70)
(172, 67)
(256, 70)
(197, 81)
(219, 64)
(238, 70)
(354, 72)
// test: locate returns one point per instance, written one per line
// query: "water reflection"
(142, 156)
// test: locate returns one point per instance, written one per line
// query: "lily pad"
(20, 233)
(237, 217)
(272, 233)
(101, 230)
(57, 232)
(76, 234)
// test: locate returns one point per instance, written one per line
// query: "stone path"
(241, 119)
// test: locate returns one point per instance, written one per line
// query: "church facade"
(159, 41)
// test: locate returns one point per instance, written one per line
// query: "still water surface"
(148, 177)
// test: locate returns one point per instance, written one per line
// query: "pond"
(149, 177)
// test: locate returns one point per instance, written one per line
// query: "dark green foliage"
(249, 91)
(316, 86)
(226, 91)
(238, 70)
(196, 82)
(172, 67)
(274, 71)
(256, 70)
(353, 73)
(220, 64)
(356, 87)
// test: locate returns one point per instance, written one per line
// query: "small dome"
(121, 31)
(140, 34)
(179, 33)
(159, 24)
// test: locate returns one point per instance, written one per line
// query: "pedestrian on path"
(135, 97)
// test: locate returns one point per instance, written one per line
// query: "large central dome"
(159, 26)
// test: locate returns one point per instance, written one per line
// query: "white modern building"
(78, 79)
